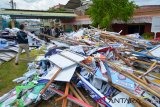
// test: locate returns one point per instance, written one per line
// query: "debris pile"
(114, 70)
(9, 46)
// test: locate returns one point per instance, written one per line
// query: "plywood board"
(63, 62)
(11, 54)
(4, 57)
(155, 51)
(15, 49)
(65, 75)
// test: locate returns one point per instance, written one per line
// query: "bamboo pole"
(120, 37)
(150, 75)
(72, 98)
(134, 78)
(60, 98)
(81, 95)
(70, 104)
(80, 63)
(144, 79)
(52, 79)
(141, 101)
(153, 50)
(149, 70)
(66, 39)
(120, 40)
(146, 63)
(64, 104)
(97, 105)
(74, 92)
(121, 57)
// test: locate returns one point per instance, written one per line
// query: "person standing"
(57, 31)
(53, 33)
(22, 43)
(61, 30)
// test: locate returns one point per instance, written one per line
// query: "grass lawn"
(10, 71)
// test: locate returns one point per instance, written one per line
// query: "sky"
(32, 4)
(147, 2)
(45, 4)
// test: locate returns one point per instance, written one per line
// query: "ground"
(10, 71)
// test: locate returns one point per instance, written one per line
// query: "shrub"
(148, 36)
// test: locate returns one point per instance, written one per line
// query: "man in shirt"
(57, 31)
(53, 33)
(22, 42)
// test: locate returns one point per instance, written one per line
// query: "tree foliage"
(103, 12)
(60, 10)
(57, 10)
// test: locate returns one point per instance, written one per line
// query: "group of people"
(22, 38)
(55, 31)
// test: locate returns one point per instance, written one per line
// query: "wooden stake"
(134, 78)
(150, 75)
(64, 104)
(142, 101)
(74, 92)
(149, 70)
(97, 105)
(81, 95)
(52, 79)
(145, 63)
(60, 98)
(80, 63)
(72, 99)
(144, 80)
(121, 57)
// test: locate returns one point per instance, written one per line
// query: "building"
(58, 6)
(140, 23)
(79, 7)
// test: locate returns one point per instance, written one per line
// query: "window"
(136, 29)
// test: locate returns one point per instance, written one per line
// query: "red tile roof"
(151, 10)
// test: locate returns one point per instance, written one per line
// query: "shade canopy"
(30, 14)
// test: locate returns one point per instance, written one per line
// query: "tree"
(103, 12)
(57, 10)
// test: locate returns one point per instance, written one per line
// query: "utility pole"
(13, 4)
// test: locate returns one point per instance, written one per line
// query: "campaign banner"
(121, 80)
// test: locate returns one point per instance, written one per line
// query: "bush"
(148, 36)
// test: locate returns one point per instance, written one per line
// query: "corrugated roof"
(36, 14)
(143, 14)
(147, 10)
(144, 19)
